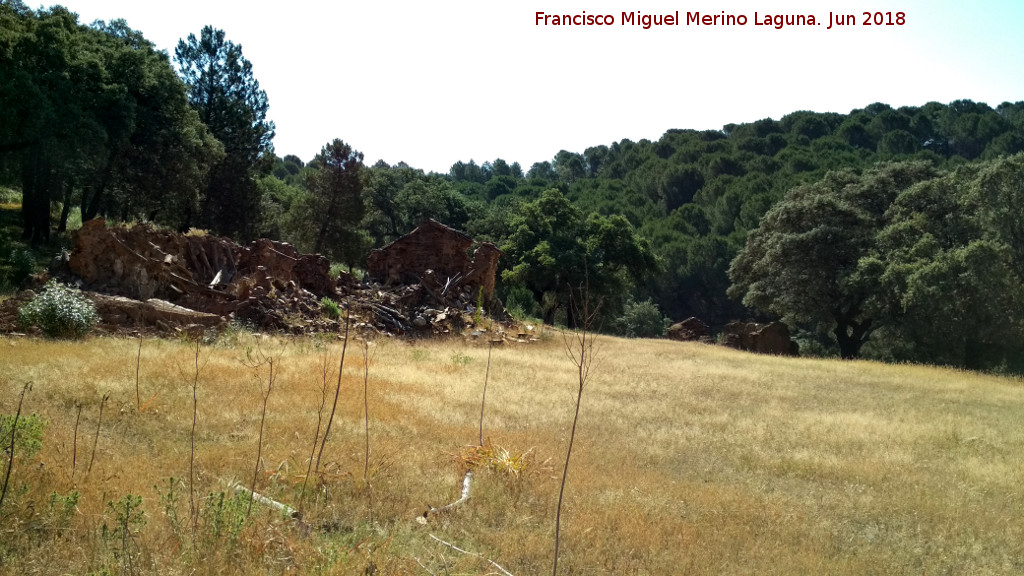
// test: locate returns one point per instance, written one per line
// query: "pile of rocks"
(144, 278)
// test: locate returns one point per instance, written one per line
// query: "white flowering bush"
(60, 312)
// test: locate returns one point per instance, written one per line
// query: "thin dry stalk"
(483, 401)
(193, 510)
(14, 435)
(74, 443)
(337, 390)
(256, 361)
(138, 363)
(325, 369)
(579, 347)
(366, 426)
(96, 438)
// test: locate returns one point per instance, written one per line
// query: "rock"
(770, 338)
(153, 312)
(689, 330)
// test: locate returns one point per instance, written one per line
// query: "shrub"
(23, 263)
(60, 312)
(520, 303)
(30, 435)
(641, 320)
(330, 308)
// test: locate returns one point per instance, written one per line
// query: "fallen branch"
(257, 497)
(480, 556)
(460, 501)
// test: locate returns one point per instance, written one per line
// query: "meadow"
(689, 459)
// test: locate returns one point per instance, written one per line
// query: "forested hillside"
(883, 231)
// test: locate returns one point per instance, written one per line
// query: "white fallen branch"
(460, 501)
(457, 549)
(284, 508)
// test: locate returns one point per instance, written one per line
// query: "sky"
(433, 83)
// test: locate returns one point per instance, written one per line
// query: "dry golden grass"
(690, 459)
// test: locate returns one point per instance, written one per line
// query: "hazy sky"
(431, 83)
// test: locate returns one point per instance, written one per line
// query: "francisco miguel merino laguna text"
(697, 19)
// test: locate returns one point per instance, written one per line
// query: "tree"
(950, 268)
(327, 218)
(554, 247)
(94, 115)
(801, 262)
(223, 89)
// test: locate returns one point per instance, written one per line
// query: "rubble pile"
(436, 257)
(770, 338)
(144, 278)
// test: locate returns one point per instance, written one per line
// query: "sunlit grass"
(690, 459)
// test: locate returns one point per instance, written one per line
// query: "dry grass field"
(690, 459)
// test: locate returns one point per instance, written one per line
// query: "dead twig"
(337, 390)
(14, 435)
(480, 556)
(462, 500)
(74, 443)
(325, 369)
(96, 438)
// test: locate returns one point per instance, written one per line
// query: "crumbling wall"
(142, 263)
(436, 255)
(690, 330)
(770, 338)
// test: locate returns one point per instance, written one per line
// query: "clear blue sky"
(434, 83)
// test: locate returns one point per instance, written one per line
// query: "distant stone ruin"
(690, 330)
(770, 338)
(436, 254)
(145, 278)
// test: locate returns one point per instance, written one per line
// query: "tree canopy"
(849, 227)
(94, 116)
(223, 89)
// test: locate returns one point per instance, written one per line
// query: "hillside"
(689, 459)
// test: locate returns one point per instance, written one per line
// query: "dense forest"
(892, 233)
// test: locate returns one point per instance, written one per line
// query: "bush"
(23, 264)
(520, 303)
(60, 312)
(330, 308)
(642, 320)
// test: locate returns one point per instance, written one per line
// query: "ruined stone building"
(437, 251)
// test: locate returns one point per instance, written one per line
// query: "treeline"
(94, 117)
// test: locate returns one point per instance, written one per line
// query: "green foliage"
(641, 320)
(170, 500)
(228, 98)
(95, 116)
(330, 308)
(60, 312)
(326, 218)
(128, 520)
(9, 196)
(554, 248)
(801, 262)
(460, 360)
(222, 519)
(23, 263)
(949, 269)
(520, 303)
(29, 435)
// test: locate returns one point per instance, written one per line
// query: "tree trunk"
(850, 336)
(92, 206)
(65, 210)
(35, 203)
